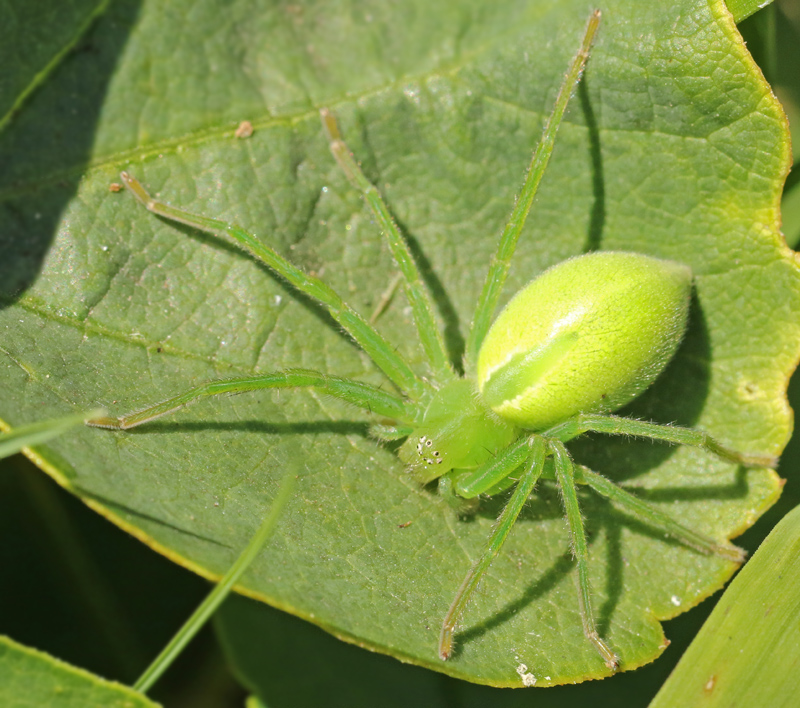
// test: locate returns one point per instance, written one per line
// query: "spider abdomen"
(587, 336)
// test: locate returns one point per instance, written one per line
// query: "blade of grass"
(204, 611)
(13, 441)
(748, 650)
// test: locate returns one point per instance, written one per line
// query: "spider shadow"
(601, 517)
(453, 337)
(597, 217)
(677, 397)
(122, 510)
(221, 243)
(337, 427)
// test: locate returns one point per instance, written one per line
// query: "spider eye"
(588, 335)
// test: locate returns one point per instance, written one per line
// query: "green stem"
(14, 440)
(219, 593)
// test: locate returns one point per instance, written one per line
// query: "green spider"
(580, 341)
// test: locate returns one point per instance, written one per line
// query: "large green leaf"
(673, 146)
(31, 679)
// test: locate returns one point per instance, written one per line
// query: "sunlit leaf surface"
(673, 146)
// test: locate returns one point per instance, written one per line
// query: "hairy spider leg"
(492, 473)
(616, 425)
(657, 518)
(536, 454)
(376, 347)
(569, 498)
(485, 478)
(536, 449)
(501, 262)
(418, 297)
(676, 435)
(359, 394)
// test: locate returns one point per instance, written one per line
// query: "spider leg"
(388, 433)
(378, 349)
(651, 515)
(565, 477)
(418, 297)
(496, 277)
(616, 425)
(357, 393)
(494, 543)
(495, 469)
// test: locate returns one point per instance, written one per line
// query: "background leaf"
(673, 147)
(31, 679)
(741, 9)
(759, 612)
(34, 39)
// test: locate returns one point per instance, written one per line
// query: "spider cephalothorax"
(455, 430)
